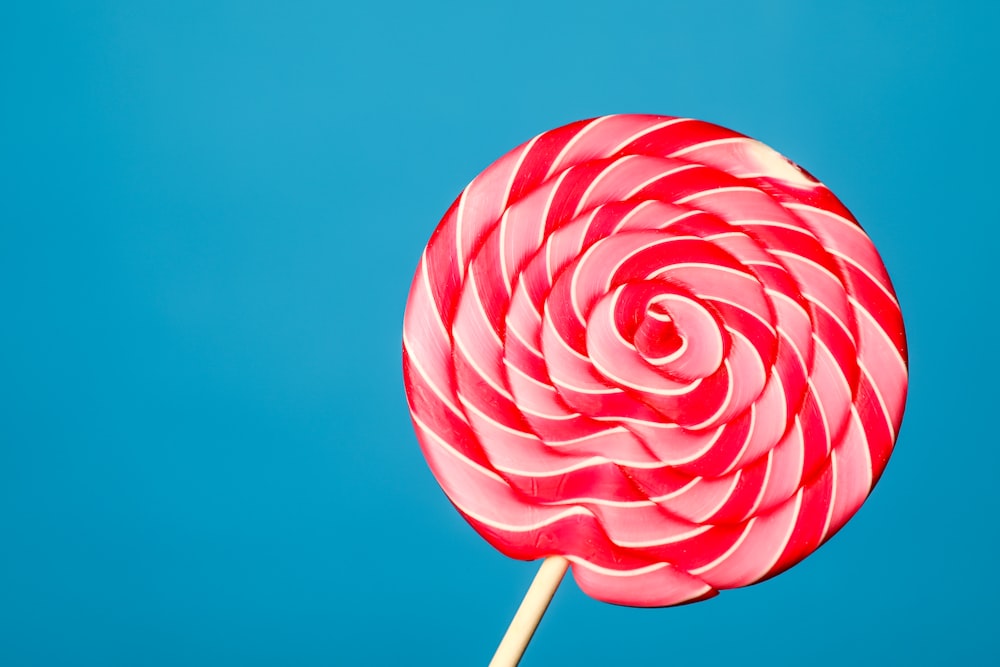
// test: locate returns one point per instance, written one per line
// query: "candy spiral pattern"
(656, 347)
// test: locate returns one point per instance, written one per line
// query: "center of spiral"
(678, 335)
(657, 338)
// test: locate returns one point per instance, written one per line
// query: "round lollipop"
(658, 349)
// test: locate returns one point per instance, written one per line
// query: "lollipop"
(657, 348)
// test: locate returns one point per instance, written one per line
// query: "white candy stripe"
(752, 313)
(574, 281)
(647, 130)
(659, 177)
(551, 326)
(529, 346)
(471, 360)
(762, 371)
(414, 361)
(672, 539)
(679, 461)
(518, 528)
(722, 503)
(516, 171)
(773, 223)
(600, 502)
(715, 192)
(649, 246)
(446, 446)
(833, 316)
(723, 406)
(746, 440)
(798, 206)
(763, 485)
(576, 560)
(845, 385)
(679, 390)
(864, 450)
(679, 218)
(709, 144)
(473, 291)
(758, 262)
(727, 553)
(701, 265)
(538, 383)
(806, 260)
(548, 206)
(827, 433)
(875, 280)
(582, 464)
(631, 214)
(792, 523)
(774, 294)
(889, 345)
(557, 162)
(828, 521)
(881, 401)
(471, 407)
(676, 493)
(460, 223)
(428, 288)
(584, 390)
(585, 197)
(504, 271)
(585, 438)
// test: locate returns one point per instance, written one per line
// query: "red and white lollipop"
(657, 348)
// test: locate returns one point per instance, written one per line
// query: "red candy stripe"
(658, 348)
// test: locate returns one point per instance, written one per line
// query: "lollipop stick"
(535, 602)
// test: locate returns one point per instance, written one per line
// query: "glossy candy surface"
(658, 348)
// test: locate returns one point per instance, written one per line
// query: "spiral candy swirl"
(656, 347)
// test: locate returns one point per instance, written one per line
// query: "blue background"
(210, 213)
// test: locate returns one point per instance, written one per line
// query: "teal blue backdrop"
(210, 213)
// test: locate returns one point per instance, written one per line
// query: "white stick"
(535, 602)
